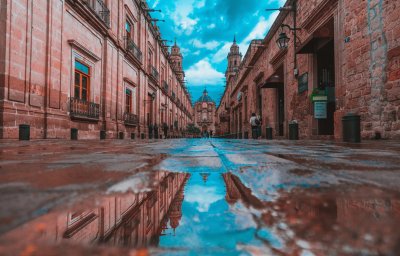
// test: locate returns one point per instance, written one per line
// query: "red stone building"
(346, 58)
(97, 68)
(204, 113)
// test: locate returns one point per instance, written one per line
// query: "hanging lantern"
(283, 41)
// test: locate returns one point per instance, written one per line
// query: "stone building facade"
(204, 113)
(98, 68)
(346, 60)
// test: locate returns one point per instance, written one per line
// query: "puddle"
(214, 213)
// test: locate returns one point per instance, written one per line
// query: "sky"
(204, 29)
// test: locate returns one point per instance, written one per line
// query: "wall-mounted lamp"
(283, 40)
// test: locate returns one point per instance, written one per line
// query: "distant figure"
(165, 129)
(211, 133)
(254, 122)
(259, 127)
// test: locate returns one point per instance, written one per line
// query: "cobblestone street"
(199, 197)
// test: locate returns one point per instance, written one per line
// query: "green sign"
(320, 109)
(316, 98)
(303, 83)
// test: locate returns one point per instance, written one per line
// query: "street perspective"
(200, 127)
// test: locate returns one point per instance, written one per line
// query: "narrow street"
(199, 197)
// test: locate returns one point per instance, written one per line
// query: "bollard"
(74, 134)
(293, 131)
(269, 133)
(24, 132)
(351, 128)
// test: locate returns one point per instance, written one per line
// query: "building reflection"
(128, 220)
(361, 218)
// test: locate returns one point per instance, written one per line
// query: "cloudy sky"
(205, 29)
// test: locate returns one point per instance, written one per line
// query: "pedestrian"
(259, 127)
(254, 122)
(165, 129)
(211, 133)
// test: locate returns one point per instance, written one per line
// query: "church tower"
(176, 59)
(234, 59)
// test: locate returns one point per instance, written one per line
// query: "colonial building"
(87, 69)
(321, 60)
(204, 110)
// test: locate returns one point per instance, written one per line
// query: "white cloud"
(208, 45)
(222, 53)
(260, 30)
(155, 3)
(211, 26)
(202, 73)
(184, 24)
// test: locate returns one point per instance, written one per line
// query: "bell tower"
(234, 59)
(176, 59)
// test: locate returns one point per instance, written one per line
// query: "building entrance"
(326, 84)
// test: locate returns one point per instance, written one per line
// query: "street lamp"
(283, 39)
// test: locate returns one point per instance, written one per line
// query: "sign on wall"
(320, 109)
(303, 83)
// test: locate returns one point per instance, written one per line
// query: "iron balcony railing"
(84, 109)
(153, 72)
(133, 49)
(165, 86)
(100, 9)
(131, 119)
(173, 95)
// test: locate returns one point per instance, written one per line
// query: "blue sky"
(205, 29)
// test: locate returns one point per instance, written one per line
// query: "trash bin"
(24, 132)
(293, 131)
(269, 133)
(133, 136)
(351, 128)
(102, 135)
(74, 134)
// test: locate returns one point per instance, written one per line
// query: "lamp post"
(283, 40)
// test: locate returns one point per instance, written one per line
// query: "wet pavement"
(199, 197)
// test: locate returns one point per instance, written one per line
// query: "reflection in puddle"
(210, 213)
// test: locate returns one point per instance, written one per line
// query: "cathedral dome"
(205, 97)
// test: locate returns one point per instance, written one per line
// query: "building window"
(128, 30)
(128, 101)
(82, 81)
(150, 57)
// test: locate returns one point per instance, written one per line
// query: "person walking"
(165, 129)
(259, 127)
(254, 122)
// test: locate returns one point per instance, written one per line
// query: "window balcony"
(165, 86)
(173, 96)
(100, 9)
(134, 50)
(82, 109)
(131, 119)
(154, 73)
